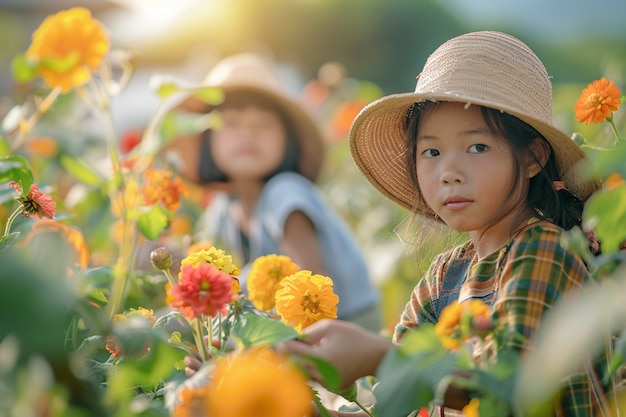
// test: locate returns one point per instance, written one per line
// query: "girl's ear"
(536, 156)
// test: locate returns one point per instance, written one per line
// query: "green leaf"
(603, 162)
(61, 65)
(260, 330)
(4, 146)
(410, 373)
(151, 223)
(210, 95)
(329, 375)
(8, 241)
(16, 168)
(605, 211)
(81, 171)
(23, 71)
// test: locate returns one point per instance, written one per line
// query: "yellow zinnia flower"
(264, 279)
(597, 102)
(471, 409)
(258, 383)
(306, 298)
(67, 47)
(214, 256)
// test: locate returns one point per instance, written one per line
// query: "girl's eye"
(430, 153)
(478, 148)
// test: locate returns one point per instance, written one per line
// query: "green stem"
(169, 276)
(365, 410)
(202, 349)
(614, 129)
(11, 219)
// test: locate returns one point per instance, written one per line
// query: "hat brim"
(378, 147)
(309, 135)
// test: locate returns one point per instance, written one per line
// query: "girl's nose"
(451, 173)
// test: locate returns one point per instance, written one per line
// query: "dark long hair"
(560, 207)
(208, 171)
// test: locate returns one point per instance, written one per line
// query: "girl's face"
(464, 171)
(251, 143)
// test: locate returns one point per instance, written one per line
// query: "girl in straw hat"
(266, 154)
(474, 148)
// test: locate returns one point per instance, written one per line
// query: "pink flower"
(201, 290)
(36, 202)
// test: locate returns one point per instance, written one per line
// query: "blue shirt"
(283, 195)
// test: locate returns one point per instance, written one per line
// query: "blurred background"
(338, 55)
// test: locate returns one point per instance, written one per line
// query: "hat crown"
(245, 70)
(492, 69)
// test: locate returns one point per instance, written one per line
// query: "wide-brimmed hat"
(249, 72)
(490, 69)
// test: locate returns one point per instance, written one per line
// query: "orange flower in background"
(44, 146)
(306, 298)
(199, 246)
(201, 290)
(264, 279)
(67, 47)
(258, 383)
(193, 402)
(597, 102)
(72, 236)
(35, 203)
(112, 344)
(343, 117)
(613, 181)
(161, 187)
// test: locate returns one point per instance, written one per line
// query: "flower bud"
(161, 258)
(482, 326)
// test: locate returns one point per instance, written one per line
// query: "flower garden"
(98, 313)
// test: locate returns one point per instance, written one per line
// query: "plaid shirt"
(521, 282)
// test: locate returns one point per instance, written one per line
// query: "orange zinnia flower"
(264, 279)
(192, 402)
(597, 102)
(67, 47)
(35, 203)
(449, 327)
(306, 298)
(258, 383)
(201, 290)
(160, 187)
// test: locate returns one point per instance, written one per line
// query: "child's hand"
(193, 362)
(354, 351)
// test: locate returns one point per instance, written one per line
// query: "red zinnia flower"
(202, 290)
(36, 202)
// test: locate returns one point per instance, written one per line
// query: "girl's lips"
(456, 204)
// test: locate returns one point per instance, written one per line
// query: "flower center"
(311, 303)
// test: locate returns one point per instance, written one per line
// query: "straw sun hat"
(487, 68)
(248, 72)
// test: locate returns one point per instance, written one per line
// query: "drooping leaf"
(81, 171)
(151, 223)
(23, 71)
